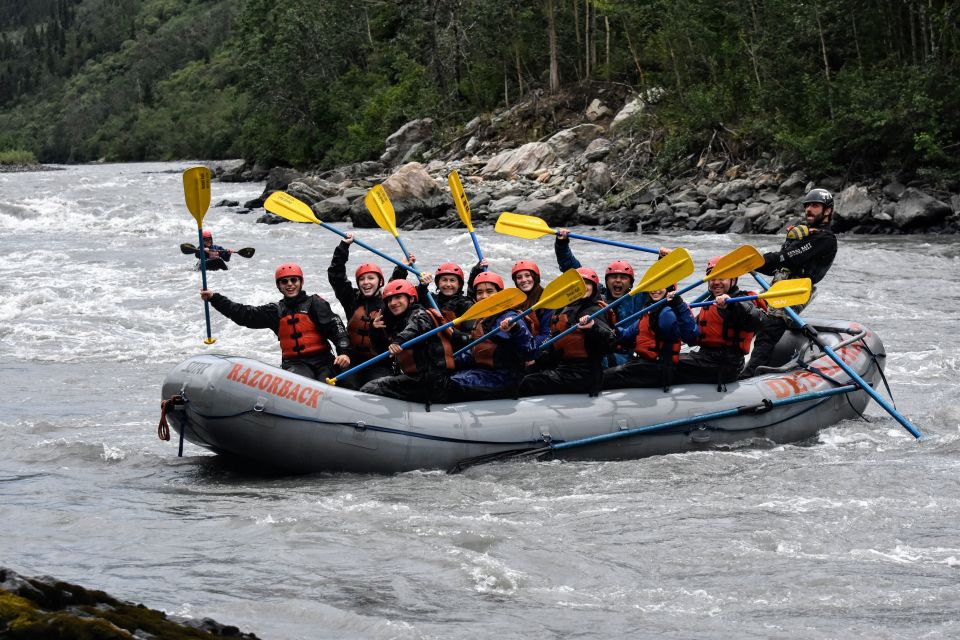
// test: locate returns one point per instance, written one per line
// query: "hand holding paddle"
(294, 210)
(672, 268)
(246, 252)
(569, 287)
(532, 227)
(463, 209)
(196, 193)
(497, 303)
(738, 262)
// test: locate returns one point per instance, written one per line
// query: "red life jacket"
(299, 336)
(715, 333)
(359, 329)
(406, 360)
(573, 346)
(484, 354)
(649, 346)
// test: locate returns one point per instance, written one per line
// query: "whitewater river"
(854, 535)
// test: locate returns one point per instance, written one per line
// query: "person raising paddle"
(217, 257)
(807, 252)
(526, 276)
(305, 325)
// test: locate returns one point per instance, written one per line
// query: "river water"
(854, 535)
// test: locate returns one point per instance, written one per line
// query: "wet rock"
(332, 209)
(916, 209)
(227, 203)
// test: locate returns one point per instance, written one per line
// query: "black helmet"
(819, 196)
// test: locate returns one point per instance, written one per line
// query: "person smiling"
(305, 325)
(361, 306)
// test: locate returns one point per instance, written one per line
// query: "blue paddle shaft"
(476, 246)
(906, 424)
(707, 303)
(612, 243)
(387, 354)
(433, 303)
(656, 305)
(371, 249)
(682, 422)
(203, 278)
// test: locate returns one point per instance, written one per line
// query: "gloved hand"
(798, 232)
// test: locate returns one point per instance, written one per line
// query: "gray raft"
(246, 409)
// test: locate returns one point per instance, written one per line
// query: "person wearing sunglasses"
(305, 325)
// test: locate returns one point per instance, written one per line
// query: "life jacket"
(299, 336)
(648, 345)
(359, 329)
(715, 332)
(493, 353)
(573, 346)
(406, 359)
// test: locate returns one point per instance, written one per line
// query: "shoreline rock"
(50, 608)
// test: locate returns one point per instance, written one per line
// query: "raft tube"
(271, 418)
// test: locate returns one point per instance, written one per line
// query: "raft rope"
(163, 429)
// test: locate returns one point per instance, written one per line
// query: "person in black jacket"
(807, 252)
(575, 362)
(305, 325)
(361, 306)
(425, 367)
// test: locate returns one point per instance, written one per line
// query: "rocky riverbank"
(594, 166)
(52, 609)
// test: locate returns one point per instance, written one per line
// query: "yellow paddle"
(196, 193)
(567, 288)
(532, 227)
(783, 293)
(463, 208)
(497, 303)
(379, 205)
(672, 268)
(289, 207)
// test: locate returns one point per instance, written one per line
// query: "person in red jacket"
(526, 276)
(726, 331)
(425, 367)
(305, 325)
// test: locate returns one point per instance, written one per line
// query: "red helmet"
(621, 267)
(712, 263)
(590, 275)
(491, 277)
(525, 265)
(450, 269)
(397, 287)
(207, 234)
(368, 267)
(288, 269)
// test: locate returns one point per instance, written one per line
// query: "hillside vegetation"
(854, 88)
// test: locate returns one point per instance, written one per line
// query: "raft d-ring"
(701, 435)
(360, 425)
(261, 403)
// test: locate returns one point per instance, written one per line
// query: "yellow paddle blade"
(668, 270)
(526, 227)
(788, 293)
(497, 303)
(286, 206)
(567, 288)
(379, 205)
(196, 191)
(460, 199)
(738, 262)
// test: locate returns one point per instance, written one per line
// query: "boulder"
(597, 180)
(574, 140)
(733, 191)
(332, 209)
(559, 210)
(524, 160)
(633, 108)
(416, 198)
(918, 209)
(402, 142)
(894, 190)
(795, 185)
(852, 207)
(740, 224)
(597, 150)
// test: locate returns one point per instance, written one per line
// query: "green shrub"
(17, 157)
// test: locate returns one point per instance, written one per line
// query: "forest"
(856, 87)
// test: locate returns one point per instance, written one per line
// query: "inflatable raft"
(246, 409)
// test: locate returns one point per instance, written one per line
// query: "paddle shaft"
(476, 246)
(340, 233)
(716, 415)
(612, 243)
(203, 278)
(656, 305)
(707, 303)
(812, 334)
(387, 354)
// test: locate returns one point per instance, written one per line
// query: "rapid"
(852, 535)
